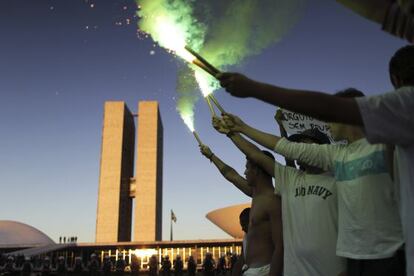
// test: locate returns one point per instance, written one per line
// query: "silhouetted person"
(237, 268)
(221, 265)
(135, 265)
(153, 266)
(93, 265)
(46, 267)
(233, 261)
(78, 268)
(120, 265)
(64, 239)
(60, 239)
(166, 266)
(178, 266)
(191, 266)
(9, 267)
(208, 265)
(61, 268)
(27, 267)
(107, 266)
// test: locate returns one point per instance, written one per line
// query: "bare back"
(260, 245)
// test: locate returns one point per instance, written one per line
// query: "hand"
(280, 117)
(206, 151)
(233, 122)
(237, 84)
(220, 126)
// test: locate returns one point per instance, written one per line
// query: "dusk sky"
(60, 60)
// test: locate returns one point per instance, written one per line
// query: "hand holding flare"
(220, 125)
(206, 151)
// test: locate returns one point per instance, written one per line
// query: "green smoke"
(172, 25)
(225, 32)
(188, 96)
(243, 28)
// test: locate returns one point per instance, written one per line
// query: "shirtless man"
(264, 250)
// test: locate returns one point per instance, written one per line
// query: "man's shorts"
(256, 271)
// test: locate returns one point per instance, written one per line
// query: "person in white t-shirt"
(386, 118)
(369, 230)
(309, 208)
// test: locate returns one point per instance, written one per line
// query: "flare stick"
(197, 138)
(217, 103)
(203, 66)
(213, 113)
(207, 66)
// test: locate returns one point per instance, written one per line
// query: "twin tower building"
(120, 184)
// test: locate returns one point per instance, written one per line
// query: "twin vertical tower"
(117, 184)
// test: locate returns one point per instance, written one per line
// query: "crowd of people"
(335, 209)
(46, 266)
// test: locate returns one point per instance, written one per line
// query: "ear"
(396, 81)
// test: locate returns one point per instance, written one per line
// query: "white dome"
(227, 219)
(16, 234)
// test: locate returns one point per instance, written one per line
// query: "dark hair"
(245, 213)
(350, 93)
(402, 64)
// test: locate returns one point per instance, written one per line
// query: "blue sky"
(60, 60)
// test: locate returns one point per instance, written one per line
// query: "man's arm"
(228, 172)
(275, 213)
(253, 153)
(235, 124)
(250, 150)
(318, 105)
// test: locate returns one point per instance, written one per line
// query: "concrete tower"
(148, 193)
(113, 221)
(117, 187)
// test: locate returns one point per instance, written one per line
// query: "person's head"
(310, 136)
(342, 131)
(244, 219)
(254, 173)
(401, 67)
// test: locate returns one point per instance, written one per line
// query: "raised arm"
(235, 124)
(228, 172)
(318, 105)
(275, 214)
(279, 117)
(251, 151)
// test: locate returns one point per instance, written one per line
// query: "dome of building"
(227, 219)
(17, 234)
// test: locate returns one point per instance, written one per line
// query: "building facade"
(117, 184)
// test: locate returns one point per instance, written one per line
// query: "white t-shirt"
(369, 224)
(389, 118)
(310, 222)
